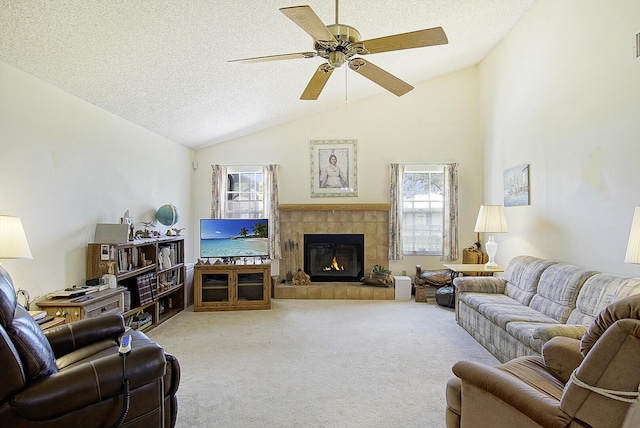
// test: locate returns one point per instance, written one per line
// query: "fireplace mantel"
(334, 207)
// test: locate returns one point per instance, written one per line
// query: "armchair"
(72, 375)
(575, 383)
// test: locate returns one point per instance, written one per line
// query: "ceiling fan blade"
(317, 82)
(307, 19)
(414, 39)
(377, 75)
(296, 55)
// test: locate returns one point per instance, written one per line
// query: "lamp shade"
(491, 219)
(13, 241)
(633, 247)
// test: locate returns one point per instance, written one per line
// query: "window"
(422, 209)
(245, 194)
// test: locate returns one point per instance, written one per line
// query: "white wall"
(562, 93)
(436, 122)
(66, 165)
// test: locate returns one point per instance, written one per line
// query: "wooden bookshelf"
(133, 262)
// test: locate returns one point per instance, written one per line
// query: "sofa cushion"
(524, 332)
(502, 314)
(558, 290)
(474, 300)
(522, 275)
(598, 292)
(32, 346)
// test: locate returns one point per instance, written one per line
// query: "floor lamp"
(633, 247)
(491, 220)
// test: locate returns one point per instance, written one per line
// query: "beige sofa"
(515, 314)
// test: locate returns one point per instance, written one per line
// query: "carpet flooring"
(317, 363)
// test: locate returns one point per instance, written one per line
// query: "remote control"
(125, 345)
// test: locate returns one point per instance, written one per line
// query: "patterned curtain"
(395, 212)
(218, 190)
(450, 250)
(270, 180)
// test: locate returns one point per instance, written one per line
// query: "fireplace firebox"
(334, 257)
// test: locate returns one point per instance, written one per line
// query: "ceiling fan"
(338, 43)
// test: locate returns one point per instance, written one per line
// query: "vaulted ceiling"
(163, 64)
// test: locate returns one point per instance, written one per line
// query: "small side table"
(402, 287)
(462, 268)
(88, 306)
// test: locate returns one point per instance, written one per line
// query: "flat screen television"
(234, 237)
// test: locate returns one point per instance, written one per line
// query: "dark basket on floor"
(446, 296)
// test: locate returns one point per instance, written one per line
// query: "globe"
(167, 215)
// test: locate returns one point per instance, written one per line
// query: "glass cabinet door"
(216, 288)
(250, 287)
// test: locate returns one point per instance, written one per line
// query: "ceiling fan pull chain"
(346, 92)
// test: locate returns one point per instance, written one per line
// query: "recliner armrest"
(89, 383)
(527, 400)
(562, 356)
(480, 284)
(72, 336)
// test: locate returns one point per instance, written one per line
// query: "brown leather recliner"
(72, 375)
(575, 383)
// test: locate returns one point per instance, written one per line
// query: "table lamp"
(13, 241)
(633, 247)
(491, 220)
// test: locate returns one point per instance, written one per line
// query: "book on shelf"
(142, 289)
(144, 326)
(139, 321)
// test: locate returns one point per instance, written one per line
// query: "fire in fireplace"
(334, 257)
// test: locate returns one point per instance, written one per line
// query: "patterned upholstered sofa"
(513, 315)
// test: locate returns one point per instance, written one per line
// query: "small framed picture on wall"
(516, 186)
(333, 168)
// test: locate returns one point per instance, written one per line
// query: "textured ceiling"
(163, 64)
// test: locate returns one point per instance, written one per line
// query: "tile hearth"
(333, 290)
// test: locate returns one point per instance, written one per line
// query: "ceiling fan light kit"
(338, 43)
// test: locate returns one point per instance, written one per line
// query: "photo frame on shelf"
(334, 168)
(516, 186)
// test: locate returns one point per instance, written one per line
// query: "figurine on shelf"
(127, 219)
(165, 255)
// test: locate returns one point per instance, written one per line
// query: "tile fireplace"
(369, 220)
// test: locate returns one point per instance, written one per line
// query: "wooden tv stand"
(230, 287)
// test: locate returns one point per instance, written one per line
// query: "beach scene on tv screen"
(233, 238)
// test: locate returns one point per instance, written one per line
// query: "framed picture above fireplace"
(334, 168)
